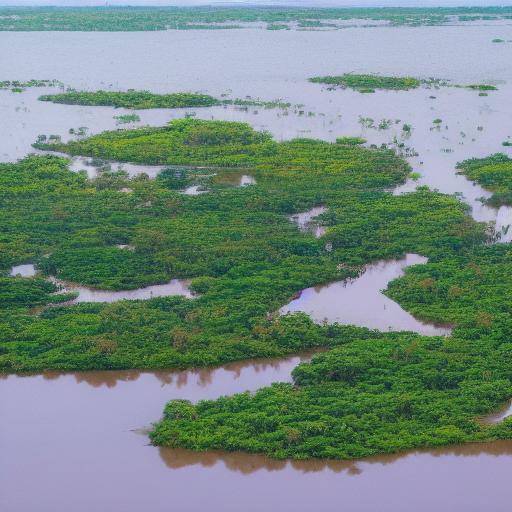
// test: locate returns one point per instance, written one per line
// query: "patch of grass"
(132, 99)
(368, 83)
(127, 118)
(481, 87)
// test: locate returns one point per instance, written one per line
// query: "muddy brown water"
(73, 442)
(86, 294)
(77, 442)
(361, 302)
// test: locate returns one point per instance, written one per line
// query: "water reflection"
(200, 377)
(361, 302)
(246, 463)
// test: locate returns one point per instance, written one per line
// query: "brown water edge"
(181, 378)
(72, 442)
(247, 463)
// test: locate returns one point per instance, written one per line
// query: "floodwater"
(86, 294)
(305, 221)
(26, 270)
(79, 163)
(360, 301)
(73, 442)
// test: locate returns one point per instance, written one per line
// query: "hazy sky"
(319, 3)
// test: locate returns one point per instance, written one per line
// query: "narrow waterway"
(360, 301)
(86, 294)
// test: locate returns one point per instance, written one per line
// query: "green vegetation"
(132, 99)
(183, 18)
(366, 397)
(277, 26)
(394, 393)
(351, 141)
(472, 289)
(247, 259)
(493, 173)
(498, 40)
(481, 87)
(127, 118)
(368, 83)
(144, 100)
(20, 86)
(372, 392)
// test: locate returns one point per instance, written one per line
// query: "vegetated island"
(373, 392)
(368, 82)
(494, 173)
(219, 17)
(145, 100)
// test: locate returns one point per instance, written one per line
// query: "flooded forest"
(255, 258)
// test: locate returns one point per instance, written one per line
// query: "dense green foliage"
(132, 99)
(367, 83)
(472, 289)
(493, 173)
(372, 392)
(127, 118)
(144, 99)
(368, 396)
(247, 259)
(164, 18)
(389, 394)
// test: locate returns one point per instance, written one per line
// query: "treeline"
(183, 18)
